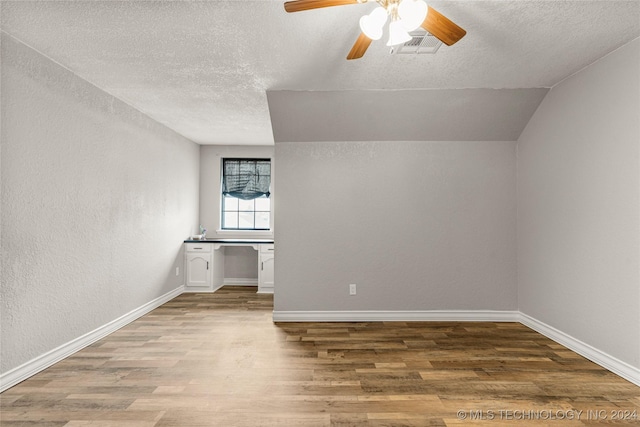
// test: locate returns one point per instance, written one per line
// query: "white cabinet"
(266, 261)
(201, 271)
(198, 271)
(204, 264)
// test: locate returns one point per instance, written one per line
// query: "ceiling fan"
(404, 15)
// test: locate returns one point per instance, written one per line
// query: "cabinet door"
(198, 270)
(265, 273)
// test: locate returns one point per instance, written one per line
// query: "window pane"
(263, 204)
(246, 220)
(262, 220)
(230, 203)
(245, 205)
(230, 220)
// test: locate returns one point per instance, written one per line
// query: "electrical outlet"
(177, 271)
(352, 289)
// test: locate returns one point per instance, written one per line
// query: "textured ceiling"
(204, 68)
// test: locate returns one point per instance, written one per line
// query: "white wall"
(579, 209)
(96, 200)
(211, 187)
(416, 225)
(240, 265)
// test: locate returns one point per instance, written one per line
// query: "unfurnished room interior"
(320, 213)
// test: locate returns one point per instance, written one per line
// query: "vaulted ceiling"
(247, 72)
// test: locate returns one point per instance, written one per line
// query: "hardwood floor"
(218, 360)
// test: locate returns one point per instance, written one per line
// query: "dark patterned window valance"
(246, 179)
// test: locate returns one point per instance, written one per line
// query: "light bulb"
(397, 34)
(412, 13)
(372, 24)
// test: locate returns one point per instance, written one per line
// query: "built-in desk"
(204, 263)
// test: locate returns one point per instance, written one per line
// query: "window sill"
(244, 233)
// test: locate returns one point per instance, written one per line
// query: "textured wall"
(240, 263)
(416, 225)
(96, 200)
(579, 208)
(210, 186)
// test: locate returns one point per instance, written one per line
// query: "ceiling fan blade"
(299, 5)
(442, 27)
(359, 47)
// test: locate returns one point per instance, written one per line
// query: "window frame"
(254, 211)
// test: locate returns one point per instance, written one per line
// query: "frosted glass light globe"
(397, 34)
(412, 13)
(372, 24)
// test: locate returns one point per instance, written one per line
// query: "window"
(246, 201)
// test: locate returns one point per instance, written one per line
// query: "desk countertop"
(234, 241)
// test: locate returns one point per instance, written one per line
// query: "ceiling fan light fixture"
(412, 13)
(397, 34)
(373, 23)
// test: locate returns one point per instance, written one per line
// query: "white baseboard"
(32, 367)
(618, 367)
(201, 291)
(399, 316)
(623, 369)
(240, 282)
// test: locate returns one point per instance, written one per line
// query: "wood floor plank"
(219, 360)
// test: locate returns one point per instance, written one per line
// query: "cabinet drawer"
(267, 248)
(198, 247)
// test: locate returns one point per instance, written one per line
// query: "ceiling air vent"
(421, 42)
